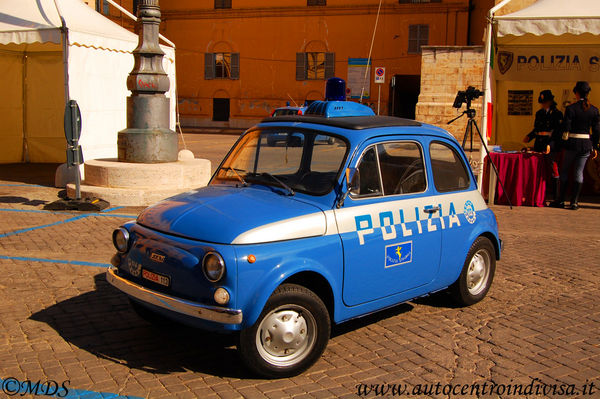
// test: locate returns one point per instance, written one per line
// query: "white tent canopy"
(96, 61)
(552, 17)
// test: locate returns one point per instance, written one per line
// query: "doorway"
(220, 109)
(404, 95)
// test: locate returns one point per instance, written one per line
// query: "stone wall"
(444, 71)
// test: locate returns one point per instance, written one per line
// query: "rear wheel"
(477, 274)
(290, 334)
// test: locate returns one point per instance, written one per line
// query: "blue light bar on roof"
(338, 109)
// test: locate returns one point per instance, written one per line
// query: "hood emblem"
(134, 267)
(157, 258)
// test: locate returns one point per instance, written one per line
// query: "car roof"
(358, 128)
(348, 122)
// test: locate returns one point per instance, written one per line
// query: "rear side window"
(449, 171)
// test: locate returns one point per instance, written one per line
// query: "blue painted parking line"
(66, 262)
(12, 233)
(53, 389)
(114, 208)
(110, 215)
(22, 185)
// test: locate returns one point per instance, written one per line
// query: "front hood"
(232, 215)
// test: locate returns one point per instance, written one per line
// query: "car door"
(391, 239)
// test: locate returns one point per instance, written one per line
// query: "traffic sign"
(72, 122)
(380, 75)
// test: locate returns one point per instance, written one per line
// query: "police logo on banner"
(505, 61)
(398, 254)
(470, 214)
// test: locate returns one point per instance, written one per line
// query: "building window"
(103, 7)
(418, 1)
(315, 66)
(316, 2)
(222, 66)
(418, 35)
(222, 4)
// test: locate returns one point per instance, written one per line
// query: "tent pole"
(65, 43)
(24, 115)
(487, 89)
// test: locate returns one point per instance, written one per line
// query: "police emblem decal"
(398, 254)
(470, 213)
(135, 268)
(505, 61)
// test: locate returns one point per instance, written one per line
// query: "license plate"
(156, 278)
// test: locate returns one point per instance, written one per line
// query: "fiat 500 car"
(348, 214)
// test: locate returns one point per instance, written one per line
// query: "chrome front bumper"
(204, 312)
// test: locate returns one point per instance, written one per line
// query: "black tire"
(151, 316)
(257, 344)
(460, 291)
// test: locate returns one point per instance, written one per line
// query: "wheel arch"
(318, 284)
(490, 236)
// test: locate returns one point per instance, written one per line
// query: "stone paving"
(60, 320)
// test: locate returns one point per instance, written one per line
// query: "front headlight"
(213, 266)
(121, 239)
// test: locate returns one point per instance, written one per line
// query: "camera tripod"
(470, 112)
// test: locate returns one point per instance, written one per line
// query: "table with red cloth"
(523, 175)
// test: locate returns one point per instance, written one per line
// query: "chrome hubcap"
(286, 335)
(478, 272)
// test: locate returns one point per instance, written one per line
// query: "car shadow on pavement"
(102, 322)
(20, 200)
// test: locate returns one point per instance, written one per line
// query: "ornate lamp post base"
(148, 138)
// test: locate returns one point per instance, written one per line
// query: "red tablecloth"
(523, 175)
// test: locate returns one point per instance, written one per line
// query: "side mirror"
(352, 184)
(352, 179)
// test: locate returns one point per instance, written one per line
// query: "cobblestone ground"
(60, 320)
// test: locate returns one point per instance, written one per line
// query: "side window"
(370, 184)
(402, 170)
(449, 171)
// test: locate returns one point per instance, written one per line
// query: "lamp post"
(148, 138)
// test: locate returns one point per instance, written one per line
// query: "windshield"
(300, 160)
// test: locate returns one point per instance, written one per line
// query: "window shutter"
(209, 66)
(300, 66)
(329, 65)
(235, 66)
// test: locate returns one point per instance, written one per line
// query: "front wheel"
(290, 334)
(477, 274)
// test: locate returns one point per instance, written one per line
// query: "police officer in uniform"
(547, 133)
(546, 128)
(580, 118)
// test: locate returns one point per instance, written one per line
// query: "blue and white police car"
(350, 214)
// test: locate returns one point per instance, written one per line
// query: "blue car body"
(369, 254)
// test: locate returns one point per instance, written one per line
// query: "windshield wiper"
(241, 179)
(288, 188)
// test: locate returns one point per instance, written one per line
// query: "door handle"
(433, 209)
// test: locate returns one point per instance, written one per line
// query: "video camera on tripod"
(466, 96)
